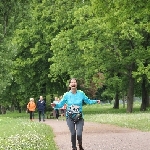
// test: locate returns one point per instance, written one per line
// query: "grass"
(17, 132)
(107, 115)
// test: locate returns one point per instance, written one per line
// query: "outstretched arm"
(98, 101)
(60, 104)
(89, 101)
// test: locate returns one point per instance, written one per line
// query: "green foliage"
(44, 43)
(32, 43)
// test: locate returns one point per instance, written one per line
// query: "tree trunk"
(0, 109)
(145, 96)
(130, 92)
(116, 104)
(18, 107)
(3, 110)
(123, 100)
(12, 108)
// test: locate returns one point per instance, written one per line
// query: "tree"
(9, 19)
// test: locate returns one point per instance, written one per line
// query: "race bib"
(74, 108)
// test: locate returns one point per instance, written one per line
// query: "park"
(104, 45)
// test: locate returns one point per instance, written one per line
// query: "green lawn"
(19, 133)
(107, 115)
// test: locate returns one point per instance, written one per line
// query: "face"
(41, 97)
(73, 84)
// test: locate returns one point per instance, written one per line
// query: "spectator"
(31, 108)
(41, 105)
(56, 109)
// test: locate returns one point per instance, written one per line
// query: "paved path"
(101, 137)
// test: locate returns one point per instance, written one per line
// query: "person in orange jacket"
(31, 107)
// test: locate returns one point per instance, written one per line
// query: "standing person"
(56, 109)
(41, 105)
(31, 107)
(63, 108)
(74, 115)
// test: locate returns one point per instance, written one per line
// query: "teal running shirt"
(74, 101)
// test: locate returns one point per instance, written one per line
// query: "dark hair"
(72, 79)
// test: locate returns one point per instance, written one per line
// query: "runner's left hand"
(98, 101)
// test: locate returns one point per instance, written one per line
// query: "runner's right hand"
(53, 104)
